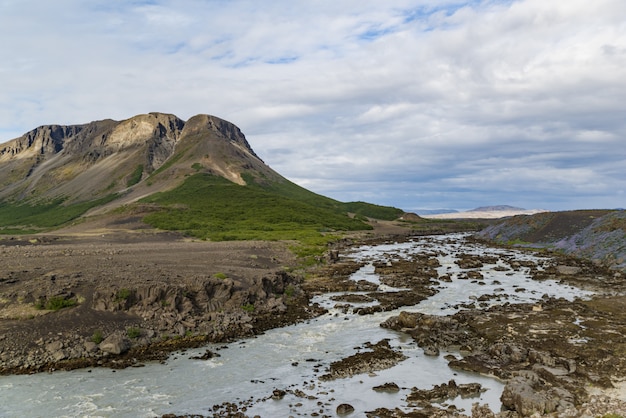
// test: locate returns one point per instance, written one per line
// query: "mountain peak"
(202, 122)
(87, 161)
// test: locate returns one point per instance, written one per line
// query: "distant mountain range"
(497, 208)
(483, 212)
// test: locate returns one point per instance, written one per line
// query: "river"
(292, 358)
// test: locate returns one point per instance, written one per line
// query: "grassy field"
(28, 218)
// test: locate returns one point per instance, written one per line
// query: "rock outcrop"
(538, 352)
(596, 235)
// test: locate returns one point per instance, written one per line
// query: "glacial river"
(292, 358)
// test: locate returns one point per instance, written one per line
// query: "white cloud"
(415, 103)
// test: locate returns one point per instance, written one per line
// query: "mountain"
(433, 211)
(90, 161)
(497, 208)
(485, 212)
(598, 235)
(167, 170)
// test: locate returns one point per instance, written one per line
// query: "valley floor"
(136, 295)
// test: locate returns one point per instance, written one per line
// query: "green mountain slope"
(210, 207)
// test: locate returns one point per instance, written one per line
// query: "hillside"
(200, 177)
(598, 235)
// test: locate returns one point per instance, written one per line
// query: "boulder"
(115, 344)
(54, 346)
(345, 409)
(390, 387)
(527, 394)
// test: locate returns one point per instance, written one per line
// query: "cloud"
(413, 103)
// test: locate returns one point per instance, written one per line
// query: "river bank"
(122, 303)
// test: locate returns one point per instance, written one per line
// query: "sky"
(418, 104)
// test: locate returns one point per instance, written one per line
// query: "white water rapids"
(291, 358)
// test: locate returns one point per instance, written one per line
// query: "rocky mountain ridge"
(82, 162)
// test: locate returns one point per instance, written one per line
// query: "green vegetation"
(97, 336)
(111, 185)
(18, 231)
(123, 294)
(27, 218)
(288, 189)
(135, 176)
(369, 210)
(248, 307)
(290, 291)
(517, 241)
(311, 249)
(133, 332)
(220, 276)
(55, 303)
(210, 207)
(197, 166)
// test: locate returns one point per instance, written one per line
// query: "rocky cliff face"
(83, 162)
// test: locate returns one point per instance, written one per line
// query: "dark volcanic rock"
(381, 357)
(208, 354)
(344, 409)
(387, 387)
(440, 393)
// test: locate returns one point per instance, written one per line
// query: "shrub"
(97, 336)
(133, 332)
(55, 303)
(123, 294)
(248, 307)
(290, 290)
(220, 276)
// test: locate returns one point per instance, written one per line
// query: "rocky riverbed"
(556, 356)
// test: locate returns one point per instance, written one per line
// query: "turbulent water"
(291, 358)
